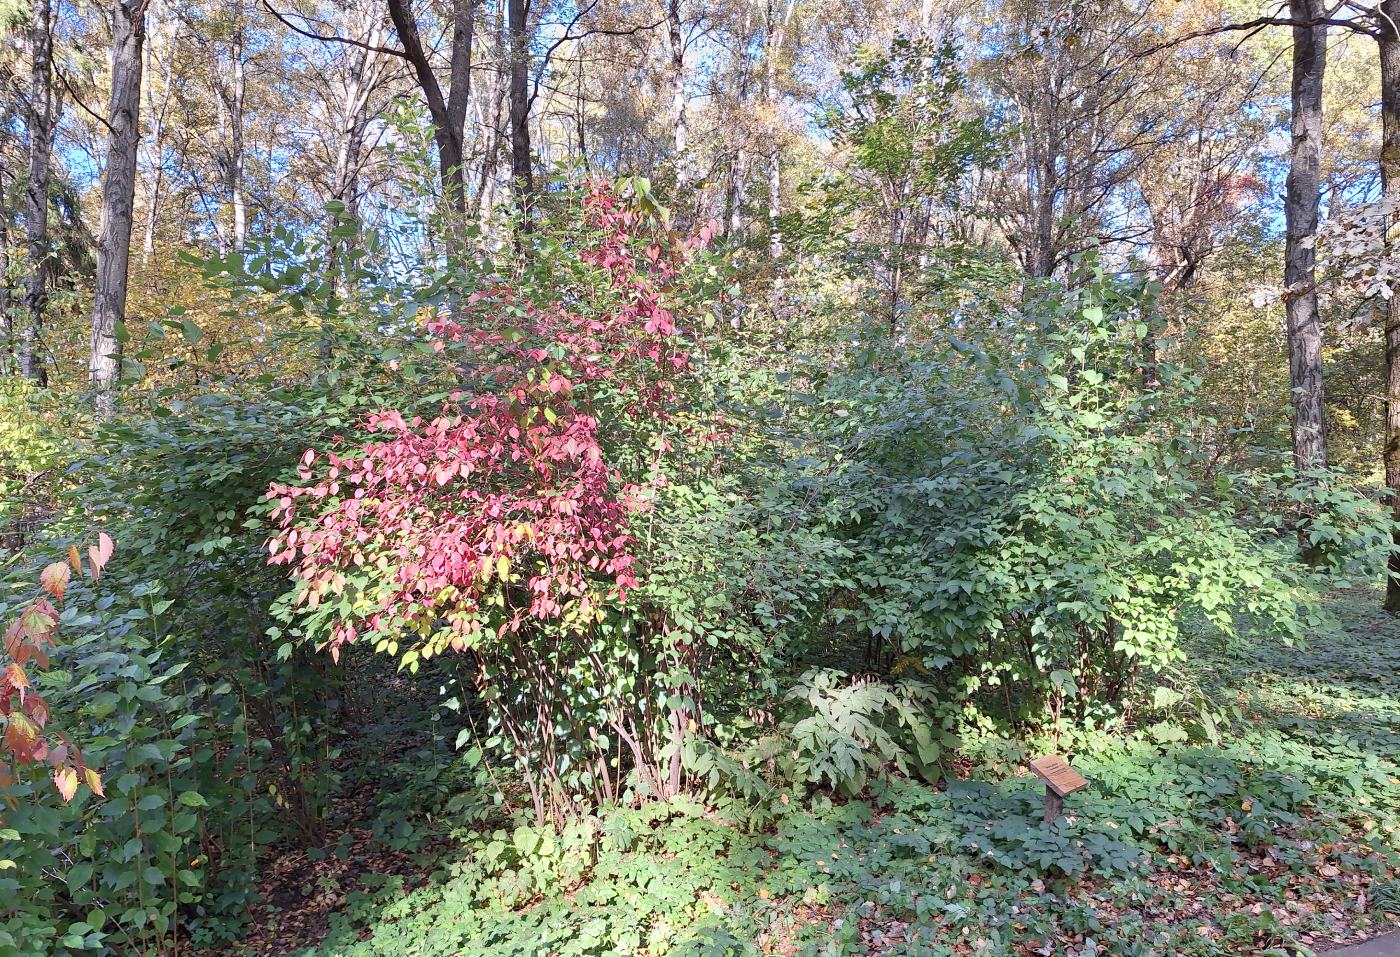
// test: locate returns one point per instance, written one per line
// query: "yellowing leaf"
(94, 782)
(20, 735)
(66, 780)
(36, 622)
(54, 579)
(16, 678)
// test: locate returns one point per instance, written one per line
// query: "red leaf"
(37, 709)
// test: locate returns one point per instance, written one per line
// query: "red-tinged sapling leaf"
(25, 714)
(66, 780)
(99, 554)
(20, 736)
(15, 678)
(54, 579)
(39, 620)
(37, 709)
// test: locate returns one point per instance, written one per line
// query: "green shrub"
(846, 730)
(1037, 519)
(109, 872)
(35, 430)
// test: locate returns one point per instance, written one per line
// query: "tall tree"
(681, 128)
(6, 317)
(157, 53)
(36, 215)
(231, 90)
(738, 159)
(1388, 39)
(518, 33)
(1075, 127)
(118, 200)
(1301, 204)
(776, 25)
(448, 110)
(348, 101)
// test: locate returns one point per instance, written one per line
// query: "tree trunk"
(352, 122)
(448, 112)
(36, 214)
(521, 171)
(734, 192)
(1389, 40)
(490, 163)
(738, 162)
(157, 111)
(7, 324)
(775, 35)
(118, 196)
(1301, 215)
(681, 132)
(581, 116)
(237, 96)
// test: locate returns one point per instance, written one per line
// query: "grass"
(1280, 836)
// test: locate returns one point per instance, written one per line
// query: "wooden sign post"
(1060, 779)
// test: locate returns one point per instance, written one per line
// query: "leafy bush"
(214, 748)
(849, 729)
(508, 524)
(1037, 518)
(33, 448)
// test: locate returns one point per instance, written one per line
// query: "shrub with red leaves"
(503, 524)
(509, 506)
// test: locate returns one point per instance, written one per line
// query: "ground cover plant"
(1281, 841)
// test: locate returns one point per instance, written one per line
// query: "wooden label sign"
(1058, 775)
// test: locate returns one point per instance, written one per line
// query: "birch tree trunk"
(1301, 203)
(157, 111)
(1389, 41)
(738, 162)
(118, 196)
(775, 35)
(237, 93)
(36, 212)
(681, 131)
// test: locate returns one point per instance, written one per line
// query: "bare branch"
(568, 36)
(332, 38)
(1253, 26)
